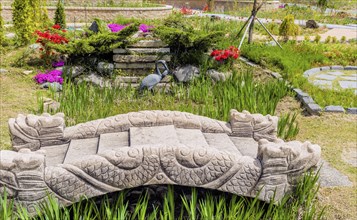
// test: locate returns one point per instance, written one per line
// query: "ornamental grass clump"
(2, 34)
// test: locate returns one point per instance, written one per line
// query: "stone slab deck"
(242, 156)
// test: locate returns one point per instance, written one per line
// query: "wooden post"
(251, 27)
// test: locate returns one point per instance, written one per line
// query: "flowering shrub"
(116, 27)
(58, 63)
(145, 28)
(221, 55)
(186, 11)
(52, 35)
(50, 76)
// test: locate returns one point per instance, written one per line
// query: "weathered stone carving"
(256, 126)
(34, 132)
(182, 161)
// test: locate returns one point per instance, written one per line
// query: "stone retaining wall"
(86, 14)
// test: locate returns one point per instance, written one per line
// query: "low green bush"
(188, 44)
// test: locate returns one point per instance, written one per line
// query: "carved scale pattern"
(136, 166)
(123, 122)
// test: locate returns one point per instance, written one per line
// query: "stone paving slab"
(247, 146)
(326, 77)
(153, 135)
(191, 137)
(348, 84)
(113, 141)
(322, 83)
(79, 148)
(331, 177)
(221, 142)
(55, 154)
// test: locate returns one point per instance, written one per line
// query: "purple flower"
(145, 28)
(58, 63)
(116, 27)
(49, 76)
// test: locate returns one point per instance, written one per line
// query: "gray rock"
(147, 148)
(10, 35)
(27, 72)
(307, 100)
(141, 51)
(55, 86)
(312, 24)
(216, 76)
(311, 72)
(300, 94)
(186, 73)
(337, 67)
(350, 67)
(325, 68)
(105, 69)
(313, 109)
(332, 108)
(94, 27)
(276, 75)
(351, 110)
(50, 105)
(73, 71)
(271, 43)
(3, 71)
(95, 79)
(34, 46)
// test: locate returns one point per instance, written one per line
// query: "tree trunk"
(251, 27)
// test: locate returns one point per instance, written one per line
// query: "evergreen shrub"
(60, 16)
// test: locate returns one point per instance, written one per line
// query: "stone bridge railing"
(149, 147)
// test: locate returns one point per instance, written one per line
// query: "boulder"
(54, 86)
(105, 69)
(217, 76)
(95, 79)
(186, 73)
(312, 24)
(73, 71)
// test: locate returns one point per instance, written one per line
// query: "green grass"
(298, 12)
(302, 57)
(194, 205)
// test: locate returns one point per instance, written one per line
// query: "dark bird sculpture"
(150, 81)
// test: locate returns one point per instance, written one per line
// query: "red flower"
(56, 26)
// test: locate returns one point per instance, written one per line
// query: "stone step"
(141, 50)
(128, 79)
(192, 138)
(79, 148)
(246, 146)
(149, 44)
(140, 58)
(221, 142)
(55, 154)
(113, 141)
(124, 66)
(157, 135)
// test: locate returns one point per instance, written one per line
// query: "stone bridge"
(242, 156)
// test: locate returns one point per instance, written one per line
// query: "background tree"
(23, 21)
(60, 17)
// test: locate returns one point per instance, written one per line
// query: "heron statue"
(150, 81)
